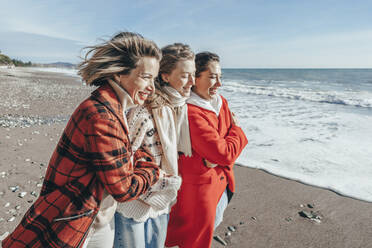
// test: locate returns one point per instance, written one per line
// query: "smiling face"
(208, 82)
(182, 77)
(139, 83)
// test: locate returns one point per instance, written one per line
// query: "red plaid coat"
(93, 154)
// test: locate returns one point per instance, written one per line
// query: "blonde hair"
(116, 56)
(171, 55)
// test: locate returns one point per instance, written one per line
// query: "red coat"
(217, 140)
(93, 154)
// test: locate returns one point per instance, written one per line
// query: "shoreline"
(305, 183)
(266, 209)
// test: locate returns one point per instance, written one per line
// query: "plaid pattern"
(93, 154)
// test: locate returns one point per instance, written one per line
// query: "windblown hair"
(202, 60)
(171, 55)
(116, 56)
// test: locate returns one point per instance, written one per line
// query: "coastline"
(265, 211)
(265, 208)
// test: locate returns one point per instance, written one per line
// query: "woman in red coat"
(216, 141)
(93, 160)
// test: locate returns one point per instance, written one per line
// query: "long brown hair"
(116, 56)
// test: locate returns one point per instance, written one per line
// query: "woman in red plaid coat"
(93, 159)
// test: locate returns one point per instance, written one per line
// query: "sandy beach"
(266, 211)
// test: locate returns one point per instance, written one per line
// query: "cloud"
(244, 33)
(59, 19)
(39, 48)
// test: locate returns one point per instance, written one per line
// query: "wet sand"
(265, 211)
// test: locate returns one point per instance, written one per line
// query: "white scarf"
(213, 105)
(125, 99)
(172, 125)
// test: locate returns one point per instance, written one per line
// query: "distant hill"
(62, 64)
(5, 60)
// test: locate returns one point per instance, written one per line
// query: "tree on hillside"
(5, 60)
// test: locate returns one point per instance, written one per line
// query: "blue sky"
(246, 34)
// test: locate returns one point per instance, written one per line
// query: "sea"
(309, 125)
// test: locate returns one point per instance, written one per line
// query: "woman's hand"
(234, 119)
(209, 164)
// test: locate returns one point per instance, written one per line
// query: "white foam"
(68, 71)
(350, 97)
(326, 145)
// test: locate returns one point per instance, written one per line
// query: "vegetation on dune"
(5, 60)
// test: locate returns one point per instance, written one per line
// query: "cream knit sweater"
(162, 195)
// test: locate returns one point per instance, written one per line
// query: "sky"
(245, 33)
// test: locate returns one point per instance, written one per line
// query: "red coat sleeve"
(207, 142)
(107, 146)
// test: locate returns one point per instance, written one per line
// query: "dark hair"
(117, 56)
(202, 60)
(171, 55)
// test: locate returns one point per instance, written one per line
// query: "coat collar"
(108, 97)
(213, 105)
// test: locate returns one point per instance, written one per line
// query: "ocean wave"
(350, 98)
(68, 71)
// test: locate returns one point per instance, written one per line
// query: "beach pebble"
(317, 220)
(11, 219)
(231, 228)
(22, 194)
(305, 214)
(12, 212)
(3, 236)
(314, 216)
(220, 240)
(14, 188)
